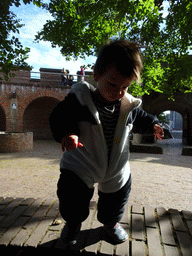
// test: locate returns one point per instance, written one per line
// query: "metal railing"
(37, 75)
(52, 78)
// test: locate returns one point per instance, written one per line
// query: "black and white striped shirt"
(108, 113)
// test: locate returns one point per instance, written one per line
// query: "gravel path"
(157, 180)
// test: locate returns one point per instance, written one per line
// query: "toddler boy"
(93, 126)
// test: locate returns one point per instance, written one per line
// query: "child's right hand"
(70, 142)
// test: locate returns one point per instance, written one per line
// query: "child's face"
(112, 85)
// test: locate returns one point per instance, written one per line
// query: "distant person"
(70, 80)
(63, 80)
(82, 73)
(64, 77)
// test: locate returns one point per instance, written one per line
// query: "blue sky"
(42, 55)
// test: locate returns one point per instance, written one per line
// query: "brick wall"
(34, 105)
(3, 120)
(36, 117)
(21, 77)
(14, 142)
(88, 78)
(48, 78)
(31, 109)
(51, 77)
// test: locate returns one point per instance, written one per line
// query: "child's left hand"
(158, 132)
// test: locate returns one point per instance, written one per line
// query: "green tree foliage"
(81, 27)
(12, 54)
(162, 118)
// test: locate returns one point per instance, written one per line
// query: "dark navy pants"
(74, 198)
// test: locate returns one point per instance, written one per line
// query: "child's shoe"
(116, 234)
(69, 234)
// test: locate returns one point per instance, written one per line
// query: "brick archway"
(18, 102)
(156, 103)
(36, 117)
(161, 104)
(3, 119)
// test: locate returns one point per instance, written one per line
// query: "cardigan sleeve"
(63, 118)
(142, 121)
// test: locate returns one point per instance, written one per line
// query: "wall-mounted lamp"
(14, 106)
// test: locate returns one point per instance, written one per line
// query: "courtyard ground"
(157, 180)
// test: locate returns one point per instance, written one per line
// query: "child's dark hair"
(121, 54)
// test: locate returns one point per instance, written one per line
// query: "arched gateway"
(156, 103)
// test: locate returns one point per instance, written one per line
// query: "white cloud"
(42, 54)
(33, 24)
(53, 59)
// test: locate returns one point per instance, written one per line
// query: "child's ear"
(95, 76)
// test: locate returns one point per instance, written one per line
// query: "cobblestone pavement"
(157, 180)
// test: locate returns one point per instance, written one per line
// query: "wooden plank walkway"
(28, 224)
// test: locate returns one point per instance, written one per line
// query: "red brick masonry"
(15, 141)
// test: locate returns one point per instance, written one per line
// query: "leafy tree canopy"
(12, 54)
(81, 27)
